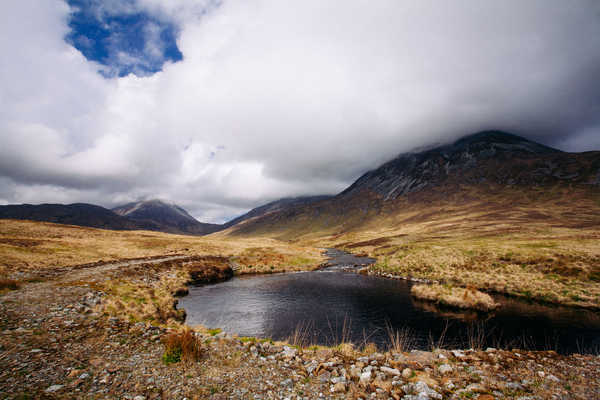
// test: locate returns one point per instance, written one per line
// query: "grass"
(37, 251)
(489, 246)
(32, 248)
(400, 340)
(182, 346)
(452, 296)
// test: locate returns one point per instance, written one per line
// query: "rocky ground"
(55, 344)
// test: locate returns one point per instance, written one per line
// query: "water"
(334, 304)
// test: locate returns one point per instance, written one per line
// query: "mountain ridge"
(466, 170)
(487, 161)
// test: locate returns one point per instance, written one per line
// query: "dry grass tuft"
(302, 335)
(9, 284)
(468, 297)
(401, 340)
(182, 346)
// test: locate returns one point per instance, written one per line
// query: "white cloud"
(291, 97)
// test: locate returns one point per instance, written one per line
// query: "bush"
(182, 346)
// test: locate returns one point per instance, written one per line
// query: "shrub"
(182, 346)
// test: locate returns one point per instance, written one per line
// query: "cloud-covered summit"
(273, 98)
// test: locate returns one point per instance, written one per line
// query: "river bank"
(54, 346)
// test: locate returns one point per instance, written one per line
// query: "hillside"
(276, 206)
(79, 214)
(494, 170)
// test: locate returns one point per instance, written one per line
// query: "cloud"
(275, 99)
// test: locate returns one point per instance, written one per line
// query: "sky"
(223, 105)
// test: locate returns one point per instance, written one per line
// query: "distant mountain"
(276, 206)
(149, 215)
(161, 216)
(467, 170)
(80, 214)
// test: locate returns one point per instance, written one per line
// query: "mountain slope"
(276, 206)
(161, 216)
(479, 168)
(80, 214)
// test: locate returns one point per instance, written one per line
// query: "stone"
(339, 387)
(420, 391)
(54, 388)
(407, 373)
(390, 371)
(85, 375)
(355, 371)
(287, 382)
(139, 397)
(289, 352)
(458, 354)
(365, 378)
(475, 388)
(552, 378)
(514, 386)
(324, 377)
(445, 369)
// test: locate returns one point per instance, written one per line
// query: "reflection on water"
(451, 313)
(274, 305)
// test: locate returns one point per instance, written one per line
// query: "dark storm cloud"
(278, 98)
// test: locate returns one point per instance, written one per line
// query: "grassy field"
(36, 252)
(29, 248)
(548, 251)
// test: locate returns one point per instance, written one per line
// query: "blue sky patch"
(121, 37)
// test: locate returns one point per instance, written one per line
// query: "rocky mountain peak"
(487, 156)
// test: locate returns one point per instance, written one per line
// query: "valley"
(99, 313)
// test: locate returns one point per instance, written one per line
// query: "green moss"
(214, 332)
(172, 356)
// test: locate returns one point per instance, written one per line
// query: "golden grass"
(142, 292)
(53, 245)
(182, 346)
(455, 296)
(532, 245)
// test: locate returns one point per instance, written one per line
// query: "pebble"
(54, 388)
(390, 371)
(365, 378)
(445, 369)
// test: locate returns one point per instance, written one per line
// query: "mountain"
(276, 206)
(149, 215)
(502, 155)
(80, 214)
(161, 216)
(490, 167)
